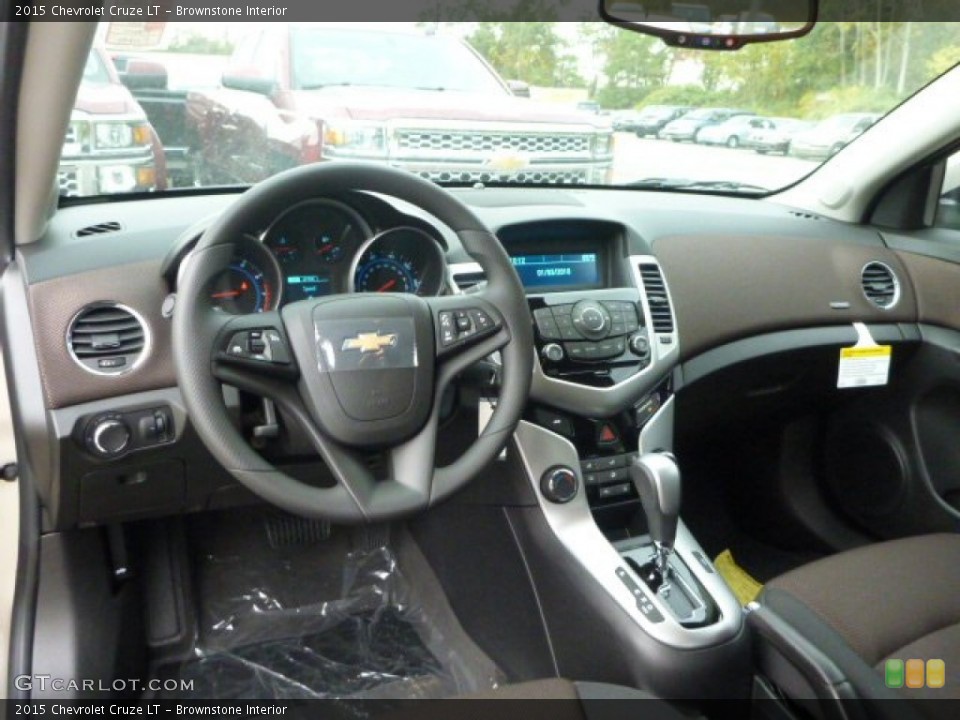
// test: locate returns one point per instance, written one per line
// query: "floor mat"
(337, 617)
(707, 513)
(746, 588)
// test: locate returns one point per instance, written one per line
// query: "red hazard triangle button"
(607, 435)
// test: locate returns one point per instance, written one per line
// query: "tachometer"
(242, 289)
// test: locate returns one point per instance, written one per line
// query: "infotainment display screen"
(558, 272)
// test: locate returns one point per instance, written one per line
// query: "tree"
(528, 51)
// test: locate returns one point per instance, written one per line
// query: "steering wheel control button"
(559, 485)
(457, 327)
(265, 345)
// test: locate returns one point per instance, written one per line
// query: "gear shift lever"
(657, 479)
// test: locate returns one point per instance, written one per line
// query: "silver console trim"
(573, 525)
(657, 434)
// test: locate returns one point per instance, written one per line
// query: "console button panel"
(591, 337)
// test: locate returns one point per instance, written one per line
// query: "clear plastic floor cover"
(266, 630)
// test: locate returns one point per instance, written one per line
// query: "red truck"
(427, 103)
(110, 147)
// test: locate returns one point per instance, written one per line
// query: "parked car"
(626, 120)
(734, 132)
(776, 137)
(148, 81)
(653, 118)
(110, 147)
(830, 136)
(298, 94)
(687, 126)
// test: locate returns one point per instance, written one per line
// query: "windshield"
(323, 58)
(530, 103)
(95, 71)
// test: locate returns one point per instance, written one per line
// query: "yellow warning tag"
(866, 364)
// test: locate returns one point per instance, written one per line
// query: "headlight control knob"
(108, 436)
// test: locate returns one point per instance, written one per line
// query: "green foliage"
(855, 98)
(201, 45)
(690, 95)
(943, 60)
(532, 52)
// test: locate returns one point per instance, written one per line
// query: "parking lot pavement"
(636, 159)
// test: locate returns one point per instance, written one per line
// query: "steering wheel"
(356, 372)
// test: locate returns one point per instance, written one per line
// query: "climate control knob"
(553, 353)
(640, 346)
(108, 437)
(591, 319)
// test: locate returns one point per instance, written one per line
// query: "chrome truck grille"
(466, 142)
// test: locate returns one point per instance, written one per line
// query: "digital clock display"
(554, 272)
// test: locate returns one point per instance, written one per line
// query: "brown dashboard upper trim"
(938, 283)
(54, 303)
(726, 288)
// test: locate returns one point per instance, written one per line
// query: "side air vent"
(107, 339)
(467, 278)
(880, 285)
(657, 298)
(99, 229)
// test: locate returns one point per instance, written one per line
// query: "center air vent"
(657, 298)
(107, 339)
(880, 285)
(99, 229)
(467, 276)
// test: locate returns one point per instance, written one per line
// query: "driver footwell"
(309, 613)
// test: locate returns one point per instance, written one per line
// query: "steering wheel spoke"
(359, 373)
(252, 352)
(467, 325)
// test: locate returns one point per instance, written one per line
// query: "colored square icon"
(936, 673)
(893, 673)
(915, 673)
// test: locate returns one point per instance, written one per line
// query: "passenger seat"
(826, 630)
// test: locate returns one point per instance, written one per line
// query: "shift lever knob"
(657, 479)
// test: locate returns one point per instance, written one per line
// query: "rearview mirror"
(713, 24)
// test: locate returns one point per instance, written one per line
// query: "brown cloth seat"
(892, 600)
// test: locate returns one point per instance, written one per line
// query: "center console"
(596, 438)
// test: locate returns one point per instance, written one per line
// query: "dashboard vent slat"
(99, 229)
(468, 280)
(880, 285)
(657, 298)
(107, 339)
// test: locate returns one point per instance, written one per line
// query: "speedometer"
(387, 272)
(401, 260)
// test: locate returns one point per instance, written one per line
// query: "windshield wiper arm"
(682, 184)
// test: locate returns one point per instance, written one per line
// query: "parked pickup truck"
(430, 104)
(110, 147)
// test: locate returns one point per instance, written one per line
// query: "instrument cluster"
(325, 247)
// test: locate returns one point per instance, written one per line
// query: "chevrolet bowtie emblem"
(370, 342)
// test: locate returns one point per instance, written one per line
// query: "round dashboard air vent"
(108, 339)
(880, 285)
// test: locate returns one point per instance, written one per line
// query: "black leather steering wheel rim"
(414, 482)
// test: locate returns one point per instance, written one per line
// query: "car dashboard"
(631, 295)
